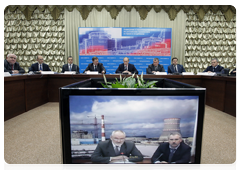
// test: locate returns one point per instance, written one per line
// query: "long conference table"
(25, 92)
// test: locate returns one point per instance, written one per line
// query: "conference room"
(55, 46)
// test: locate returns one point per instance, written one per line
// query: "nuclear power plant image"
(146, 120)
(84, 142)
(101, 42)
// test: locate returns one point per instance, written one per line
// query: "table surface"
(25, 92)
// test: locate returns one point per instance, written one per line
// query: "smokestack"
(103, 129)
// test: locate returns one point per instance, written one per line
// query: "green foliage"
(129, 82)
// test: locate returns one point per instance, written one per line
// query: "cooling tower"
(170, 125)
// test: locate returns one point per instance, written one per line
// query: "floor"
(34, 137)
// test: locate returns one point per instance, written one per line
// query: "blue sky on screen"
(136, 115)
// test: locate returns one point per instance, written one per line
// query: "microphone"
(123, 157)
(158, 157)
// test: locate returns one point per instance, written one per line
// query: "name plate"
(187, 73)
(70, 72)
(206, 74)
(160, 73)
(91, 72)
(7, 74)
(47, 72)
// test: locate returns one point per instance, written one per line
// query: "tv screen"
(146, 116)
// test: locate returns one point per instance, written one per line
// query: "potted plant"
(129, 82)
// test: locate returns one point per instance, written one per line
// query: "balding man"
(126, 67)
(11, 66)
(39, 66)
(116, 149)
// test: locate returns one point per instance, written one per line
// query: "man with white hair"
(116, 149)
(11, 66)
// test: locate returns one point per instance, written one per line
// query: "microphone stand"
(159, 157)
(123, 157)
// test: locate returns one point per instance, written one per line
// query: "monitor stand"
(130, 169)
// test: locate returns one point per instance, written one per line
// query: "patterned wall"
(212, 38)
(39, 36)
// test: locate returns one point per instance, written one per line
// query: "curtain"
(40, 36)
(196, 37)
(212, 38)
(73, 20)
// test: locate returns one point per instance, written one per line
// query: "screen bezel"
(65, 114)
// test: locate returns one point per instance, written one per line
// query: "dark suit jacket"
(131, 68)
(100, 68)
(34, 67)
(66, 68)
(105, 150)
(180, 68)
(181, 155)
(236, 69)
(151, 68)
(8, 67)
(210, 68)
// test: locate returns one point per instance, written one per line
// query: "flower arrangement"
(129, 82)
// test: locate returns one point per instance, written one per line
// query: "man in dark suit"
(116, 150)
(174, 151)
(235, 71)
(70, 66)
(11, 66)
(214, 67)
(175, 67)
(95, 66)
(126, 67)
(155, 67)
(39, 66)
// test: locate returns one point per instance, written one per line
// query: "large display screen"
(146, 120)
(111, 45)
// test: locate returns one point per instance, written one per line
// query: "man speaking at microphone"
(116, 150)
(174, 151)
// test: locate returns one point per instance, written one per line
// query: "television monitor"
(147, 116)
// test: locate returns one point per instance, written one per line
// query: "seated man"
(11, 66)
(116, 149)
(214, 67)
(95, 66)
(174, 151)
(39, 66)
(70, 66)
(175, 67)
(235, 71)
(126, 67)
(155, 67)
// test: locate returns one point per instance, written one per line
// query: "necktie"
(156, 68)
(172, 151)
(175, 69)
(70, 68)
(213, 69)
(117, 150)
(40, 66)
(95, 68)
(12, 67)
(125, 68)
